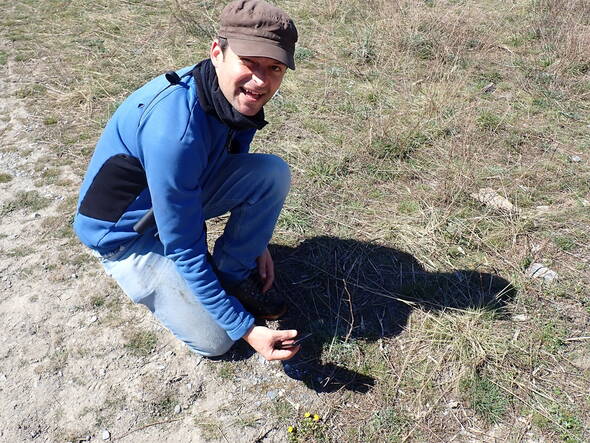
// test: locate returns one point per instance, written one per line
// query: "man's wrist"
(246, 336)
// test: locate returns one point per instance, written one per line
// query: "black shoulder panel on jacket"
(116, 185)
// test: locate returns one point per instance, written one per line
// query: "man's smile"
(251, 93)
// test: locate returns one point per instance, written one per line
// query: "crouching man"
(175, 154)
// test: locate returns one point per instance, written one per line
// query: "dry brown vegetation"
(398, 112)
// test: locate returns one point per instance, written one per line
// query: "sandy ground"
(66, 373)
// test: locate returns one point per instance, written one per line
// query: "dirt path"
(76, 357)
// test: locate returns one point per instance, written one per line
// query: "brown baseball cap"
(256, 28)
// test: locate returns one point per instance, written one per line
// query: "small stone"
(93, 319)
(73, 276)
(585, 202)
(106, 435)
(575, 159)
(177, 409)
(520, 317)
(490, 87)
(453, 404)
(2, 377)
(189, 386)
(272, 394)
(537, 270)
(103, 371)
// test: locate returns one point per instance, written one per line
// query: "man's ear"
(215, 53)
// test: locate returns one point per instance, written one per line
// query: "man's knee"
(276, 174)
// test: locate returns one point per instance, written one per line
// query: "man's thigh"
(244, 178)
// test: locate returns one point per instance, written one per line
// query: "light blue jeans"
(253, 188)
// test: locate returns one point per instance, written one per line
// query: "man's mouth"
(252, 94)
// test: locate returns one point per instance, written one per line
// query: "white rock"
(93, 319)
(537, 270)
(575, 159)
(453, 404)
(106, 435)
(520, 317)
(491, 198)
(177, 409)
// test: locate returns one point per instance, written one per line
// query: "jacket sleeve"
(174, 160)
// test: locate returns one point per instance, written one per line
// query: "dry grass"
(389, 127)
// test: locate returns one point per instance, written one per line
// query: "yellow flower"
(307, 414)
(316, 417)
(290, 429)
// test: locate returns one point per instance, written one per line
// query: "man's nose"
(259, 76)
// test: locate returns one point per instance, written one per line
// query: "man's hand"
(265, 341)
(266, 270)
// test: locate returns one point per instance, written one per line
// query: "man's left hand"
(266, 270)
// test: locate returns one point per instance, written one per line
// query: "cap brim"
(257, 48)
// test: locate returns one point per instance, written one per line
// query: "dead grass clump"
(564, 28)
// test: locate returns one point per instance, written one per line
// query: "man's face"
(248, 83)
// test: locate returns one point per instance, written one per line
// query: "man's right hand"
(265, 341)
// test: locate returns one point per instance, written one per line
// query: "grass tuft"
(29, 200)
(141, 343)
(485, 398)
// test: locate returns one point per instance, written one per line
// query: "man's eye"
(277, 68)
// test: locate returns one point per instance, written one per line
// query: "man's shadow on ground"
(342, 290)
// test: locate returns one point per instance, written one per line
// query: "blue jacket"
(156, 151)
